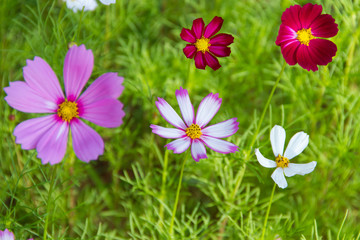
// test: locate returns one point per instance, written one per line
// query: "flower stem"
(52, 184)
(163, 184)
(267, 213)
(171, 229)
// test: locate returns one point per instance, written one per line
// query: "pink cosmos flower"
(193, 131)
(300, 36)
(41, 93)
(204, 47)
(6, 235)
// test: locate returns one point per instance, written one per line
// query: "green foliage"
(120, 196)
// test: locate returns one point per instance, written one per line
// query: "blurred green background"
(119, 196)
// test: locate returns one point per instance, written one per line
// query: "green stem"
(77, 33)
(267, 213)
(163, 184)
(52, 184)
(171, 229)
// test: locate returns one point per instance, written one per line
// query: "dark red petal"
(212, 61)
(187, 35)
(220, 51)
(189, 51)
(286, 33)
(213, 27)
(308, 13)
(288, 50)
(324, 26)
(304, 59)
(200, 60)
(322, 51)
(222, 39)
(291, 17)
(198, 27)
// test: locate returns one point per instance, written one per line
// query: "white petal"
(207, 109)
(296, 145)
(77, 5)
(277, 139)
(186, 108)
(279, 178)
(198, 150)
(264, 161)
(167, 132)
(169, 114)
(223, 129)
(107, 2)
(179, 145)
(219, 145)
(300, 169)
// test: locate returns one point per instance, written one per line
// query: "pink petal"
(167, 132)
(220, 51)
(189, 51)
(186, 108)
(78, 66)
(200, 60)
(106, 113)
(198, 150)
(179, 145)
(286, 34)
(222, 39)
(304, 59)
(322, 51)
(207, 109)
(289, 50)
(29, 132)
(41, 78)
(23, 98)
(324, 26)
(87, 143)
(188, 35)
(223, 129)
(51, 147)
(219, 145)
(108, 85)
(212, 61)
(308, 13)
(169, 114)
(213, 27)
(291, 17)
(6, 235)
(198, 27)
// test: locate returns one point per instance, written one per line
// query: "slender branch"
(267, 212)
(52, 184)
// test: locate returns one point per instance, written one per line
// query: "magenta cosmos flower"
(193, 131)
(300, 36)
(204, 47)
(41, 93)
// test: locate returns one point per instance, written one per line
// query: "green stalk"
(267, 212)
(163, 184)
(171, 229)
(52, 184)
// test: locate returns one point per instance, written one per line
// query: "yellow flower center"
(194, 131)
(281, 161)
(202, 44)
(68, 110)
(304, 36)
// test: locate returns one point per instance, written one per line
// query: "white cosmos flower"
(296, 145)
(193, 131)
(88, 5)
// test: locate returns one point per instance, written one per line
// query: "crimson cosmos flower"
(300, 36)
(204, 47)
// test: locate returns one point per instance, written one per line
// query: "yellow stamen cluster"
(304, 36)
(282, 161)
(202, 44)
(194, 131)
(68, 110)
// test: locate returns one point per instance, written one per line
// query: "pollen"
(304, 36)
(282, 161)
(68, 110)
(202, 44)
(194, 131)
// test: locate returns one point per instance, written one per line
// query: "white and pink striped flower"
(42, 93)
(193, 131)
(282, 163)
